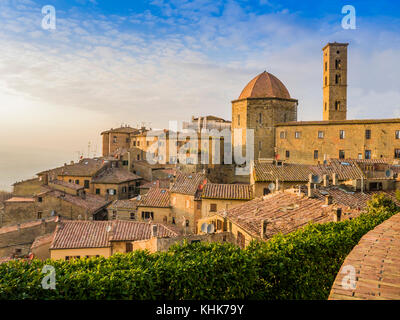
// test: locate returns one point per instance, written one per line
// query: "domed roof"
(265, 85)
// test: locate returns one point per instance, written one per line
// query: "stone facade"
(313, 142)
(19, 238)
(261, 115)
(335, 81)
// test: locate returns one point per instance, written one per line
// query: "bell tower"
(335, 81)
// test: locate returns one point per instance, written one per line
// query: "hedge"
(300, 265)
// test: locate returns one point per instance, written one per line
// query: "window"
(114, 214)
(86, 184)
(320, 134)
(112, 191)
(238, 120)
(287, 154)
(187, 223)
(132, 216)
(397, 153)
(40, 199)
(240, 240)
(134, 143)
(337, 63)
(213, 207)
(147, 215)
(125, 162)
(367, 154)
(259, 145)
(266, 191)
(341, 134)
(115, 139)
(326, 81)
(337, 79)
(173, 220)
(326, 66)
(138, 143)
(337, 105)
(341, 154)
(219, 225)
(198, 205)
(76, 181)
(360, 156)
(128, 247)
(127, 140)
(123, 189)
(297, 134)
(325, 106)
(138, 157)
(260, 118)
(315, 154)
(397, 134)
(39, 215)
(97, 191)
(368, 134)
(282, 134)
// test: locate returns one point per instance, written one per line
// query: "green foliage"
(300, 265)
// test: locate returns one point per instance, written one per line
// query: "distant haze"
(114, 62)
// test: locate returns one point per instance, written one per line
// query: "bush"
(300, 265)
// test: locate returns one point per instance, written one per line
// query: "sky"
(138, 62)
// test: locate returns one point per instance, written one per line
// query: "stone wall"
(382, 142)
(21, 237)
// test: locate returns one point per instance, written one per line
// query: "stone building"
(266, 107)
(80, 239)
(263, 103)
(216, 197)
(186, 200)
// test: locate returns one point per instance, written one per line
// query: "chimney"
(277, 185)
(328, 199)
(337, 214)
(310, 190)
(326, 180)
(335, 179)
(154, 231)
(263, 230)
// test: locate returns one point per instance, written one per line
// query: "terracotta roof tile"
(266, 171)
(284, 212)
(125, 204)
(265, 85)
(188, 183)
(228, 191)
(115, 175)
(99, 234)
(164, 183)
(376, 260)
(156, 198)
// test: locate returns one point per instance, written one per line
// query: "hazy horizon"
(109, 63)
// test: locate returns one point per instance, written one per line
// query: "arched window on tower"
(337, 105)
(337, 64)
(260, 118)
(326, 81)
(337, 79)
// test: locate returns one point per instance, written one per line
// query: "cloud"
(181, 58)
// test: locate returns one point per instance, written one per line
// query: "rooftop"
(115, 175)
(156, 198)
(19, 199)
(91, 202)
(228, 191)
(265, 85)
(284, 212)
(376, 261)
(188, 183)
(100, 234)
